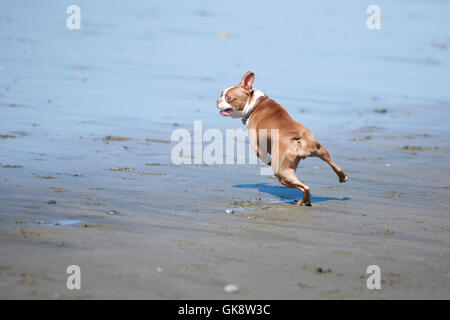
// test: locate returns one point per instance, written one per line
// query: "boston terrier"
(273, 131)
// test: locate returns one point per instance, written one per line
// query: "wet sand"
(86, 176)
(160, 231)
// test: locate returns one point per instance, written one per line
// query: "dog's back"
(296, 138)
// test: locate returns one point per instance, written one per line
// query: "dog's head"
(233, 99)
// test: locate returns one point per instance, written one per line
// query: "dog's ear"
(247, 80)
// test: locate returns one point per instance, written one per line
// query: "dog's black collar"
(247, 116)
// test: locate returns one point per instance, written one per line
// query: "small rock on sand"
(224, 35)
(418, 148)
(323, 271)
(116, 138)
(228, 211)
(45, 177)
(121, 169)
(231, 288)
(157, 140)
(14, 166)
(6, 136)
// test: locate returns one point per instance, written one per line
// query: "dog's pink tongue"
(226, 112)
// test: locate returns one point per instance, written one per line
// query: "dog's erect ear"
(247, 80)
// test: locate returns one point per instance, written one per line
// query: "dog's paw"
(301, 203)
(343, 178)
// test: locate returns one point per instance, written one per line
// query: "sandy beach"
(87, 179)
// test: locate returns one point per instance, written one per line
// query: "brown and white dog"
(287, 140)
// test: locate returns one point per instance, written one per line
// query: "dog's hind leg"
(323, 154)
(290, 180)
(287, 177)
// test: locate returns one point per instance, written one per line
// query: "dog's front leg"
(260, 145)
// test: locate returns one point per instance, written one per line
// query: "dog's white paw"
(343, 178)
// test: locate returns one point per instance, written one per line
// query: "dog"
(270, 124)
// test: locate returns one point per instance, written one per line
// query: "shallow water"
(140, 67)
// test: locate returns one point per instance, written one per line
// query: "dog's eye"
(228, 98)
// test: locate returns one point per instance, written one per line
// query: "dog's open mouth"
(226, 112)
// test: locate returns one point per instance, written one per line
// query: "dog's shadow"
(283, 193)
